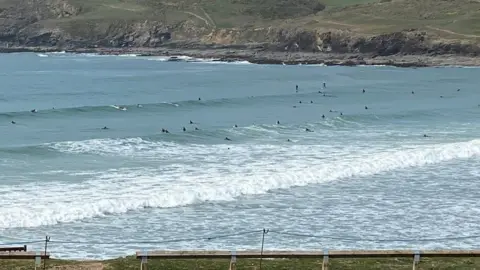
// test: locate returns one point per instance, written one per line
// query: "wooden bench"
(326, 254)
(27, 255)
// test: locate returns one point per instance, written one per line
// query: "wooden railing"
(233, 255)
(27, 255)
(10, 249)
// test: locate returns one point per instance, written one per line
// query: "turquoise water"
(361, 173)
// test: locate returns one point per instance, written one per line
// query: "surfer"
(278, 122)
(363, 91)
(441, 96)
(105, 127)
(227, 139)
(425, 135)
(311, 101)
(288, 140)
(33, 111)
(366, 108)
(308, 130)
(163, 130)
(319, 92)
(139, 106)
(341, 113)
(324, 85)
(300, 102)
(191, 122)
(323, 116)
(458, 90)
(199, 99)
(184, 129)
(413, 93)
(166, 131)
(236, 125)
(13, 122)
(296, 88)
(196, 128)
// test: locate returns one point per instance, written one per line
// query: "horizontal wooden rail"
(4, 249)
(305, 254)
(29, 255)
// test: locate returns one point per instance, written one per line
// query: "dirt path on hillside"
(453, 33)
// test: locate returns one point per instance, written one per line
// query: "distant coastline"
(260, 56)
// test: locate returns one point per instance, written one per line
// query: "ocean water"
(364, 178)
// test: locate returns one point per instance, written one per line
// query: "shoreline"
(261, 56)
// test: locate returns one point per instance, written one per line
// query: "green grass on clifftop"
(449, 19)
(130, 263)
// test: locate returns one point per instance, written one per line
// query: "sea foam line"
(221, 177)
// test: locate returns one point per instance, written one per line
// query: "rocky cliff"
(59, 24)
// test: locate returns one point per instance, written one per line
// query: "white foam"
(158, 58)
(199, 173)
(42, 55)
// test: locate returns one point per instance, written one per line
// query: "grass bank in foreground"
(130, 263)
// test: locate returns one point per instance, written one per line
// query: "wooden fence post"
(233, 261)
(325, 260)
(143, 263)
(416, 259)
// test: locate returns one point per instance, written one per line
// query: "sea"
(325, 167)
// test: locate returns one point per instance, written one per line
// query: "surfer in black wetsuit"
(296, 88)
(311, 101)
(324, 85)
(425, 135)
(413, 93)
(105, 127)
(288, 140)
(235, 125)
(196, 128)
(341, 113)
(199, 99)
(184, 129)
(278, 122)
(166, 131)
(13, 122)
(366, 108)
(227, 139)
(363, 91)
(33, 111)
(308, 130)
(323, 116)
(191, 122)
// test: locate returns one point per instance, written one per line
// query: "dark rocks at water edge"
(257, 56)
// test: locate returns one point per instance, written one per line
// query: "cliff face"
(405, 42)
(54, 23)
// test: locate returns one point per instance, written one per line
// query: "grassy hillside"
(452, 18)
(130, 263)
(119, 22)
